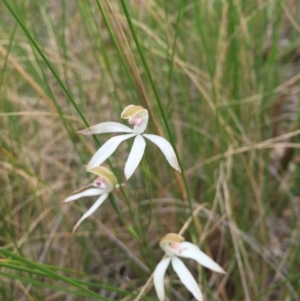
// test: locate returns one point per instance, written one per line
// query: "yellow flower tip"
(134, 111)
(105, 173)
(127, 110)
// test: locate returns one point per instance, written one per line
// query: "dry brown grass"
(246, 205)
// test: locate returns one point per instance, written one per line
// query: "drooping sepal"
(186, 278)
(158, 278)
(166, 149)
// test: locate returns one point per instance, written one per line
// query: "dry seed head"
(105, 173)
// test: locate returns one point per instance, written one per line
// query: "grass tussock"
(220, 80)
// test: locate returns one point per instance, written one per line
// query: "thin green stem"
(68, 94)
(52, 274)
(149, 75)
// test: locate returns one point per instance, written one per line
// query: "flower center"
(172, 248)
(172, 244)
(100, 182)
(105, 179)
(136, 120)
(176, 248)
(135, 115)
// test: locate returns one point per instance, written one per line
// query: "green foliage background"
(222, 81)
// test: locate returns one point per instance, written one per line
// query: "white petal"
(158, 278)
(107, 149)
(186, 278)
(97, 204)
(166, 148)
(193, 252)
(107, 127)
(135, 156)
(140, 129)
(88, 192)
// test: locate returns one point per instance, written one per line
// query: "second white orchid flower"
(175, 246)
(103, 185)
(137, 116)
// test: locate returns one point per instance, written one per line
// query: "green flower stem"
(147, 69)
(68, 94)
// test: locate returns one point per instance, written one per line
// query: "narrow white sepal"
(193, 252)
(186, 278)
(158, 278)
(107, 149)
(135, 156)
(166, 148)
(107, 127)
(97, 204)
(88, 192)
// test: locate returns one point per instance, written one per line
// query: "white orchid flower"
(174, 246)
(103, 185)
(137, 116)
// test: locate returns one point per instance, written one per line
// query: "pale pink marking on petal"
(103, 183)
(176, 247)
(100, 182)
(141, 126)
(172, 248)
